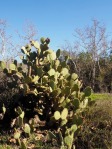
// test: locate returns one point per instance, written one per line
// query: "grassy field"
(101, 96)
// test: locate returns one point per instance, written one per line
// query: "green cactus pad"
(15, 62)
(57, 115)
(4, 109)
(84, 103)
(17, 135)
(42, 40)
(12, 67)
(51, 56)
(35, 79)
(33, 92)
(2, 64)
(57, 74)
(35, 44)
(66, 90)
(45, 79)
(67, 77)
(22, 114)
(61, 139)
(72, 82)
(24, 51)
(48, 52)
(44, 47)
(64, 64)
(75, 88)
(64, 103)
(68, 141)
(39, 71)
(61, 99)
(19, 75)
(63, 122)
(87, 91)
(56, 92)
(51, 72)
(19, 110)
(57, 62)
(23, 145)
(28, 48)
(74, 76)
(64, 114)
(58, 52)
(52, 85)
(27, 129)
(19, 121)
(73, 128)
(77, 120)
(76, 103)
(64, 71)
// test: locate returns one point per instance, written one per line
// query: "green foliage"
(57, 92)
(101, 96)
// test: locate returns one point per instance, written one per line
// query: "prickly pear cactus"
(57, 96)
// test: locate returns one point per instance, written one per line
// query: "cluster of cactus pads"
(57, 96)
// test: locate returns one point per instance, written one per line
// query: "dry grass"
(96, 132)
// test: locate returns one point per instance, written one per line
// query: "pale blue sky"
(56, 19)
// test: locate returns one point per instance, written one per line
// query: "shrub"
(48, 90)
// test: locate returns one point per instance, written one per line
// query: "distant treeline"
(97, 73)
(91, 53)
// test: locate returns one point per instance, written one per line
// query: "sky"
(56, 19)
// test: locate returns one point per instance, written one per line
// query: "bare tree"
(29, 32)
(94, 40)
(4, 39)
(90, 45)
(8, 49)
